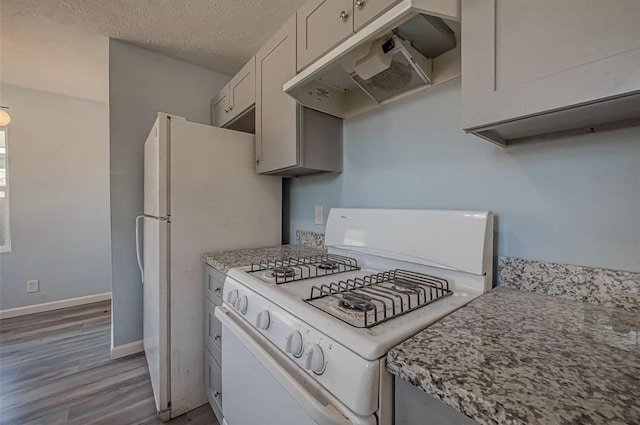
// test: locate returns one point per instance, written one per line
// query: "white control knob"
(241, 304)
(293, 344)
(315, 359)
(262, 320)
(232, 297)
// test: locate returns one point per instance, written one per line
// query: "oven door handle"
(325, 414)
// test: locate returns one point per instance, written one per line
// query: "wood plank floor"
(55, 370)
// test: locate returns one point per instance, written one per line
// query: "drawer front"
(213, 284)
(212, 331)
(213, 384)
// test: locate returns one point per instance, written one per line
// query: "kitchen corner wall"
(141, 84)
(574, 200)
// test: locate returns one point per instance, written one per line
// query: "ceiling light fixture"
(5, 118)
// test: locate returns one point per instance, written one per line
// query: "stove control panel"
(337, 368)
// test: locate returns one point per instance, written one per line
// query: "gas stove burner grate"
(356, 302)
(283, 272)
(378, 297)
(299, 268)
(328, 265)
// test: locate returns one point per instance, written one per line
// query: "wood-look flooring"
(55, 370)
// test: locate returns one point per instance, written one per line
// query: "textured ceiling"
(217, 34)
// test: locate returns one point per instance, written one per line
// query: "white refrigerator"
(201, 193)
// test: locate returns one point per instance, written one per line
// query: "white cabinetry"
(220, 107)
(276, 113)
(536, 67)
(290, 140)
(242, 89)
(364, 11)
(232, 106)
(321, 25)
(213, 286)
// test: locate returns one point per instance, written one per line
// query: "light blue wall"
(141, 84)
(58, 198)
(573, 201)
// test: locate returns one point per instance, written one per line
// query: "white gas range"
(305, 339)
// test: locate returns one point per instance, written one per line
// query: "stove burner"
(367, 301)
(328, 265)
(357, 302)
(403, 286)
(283, 272)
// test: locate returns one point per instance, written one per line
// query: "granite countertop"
(517, 357)
(225, 260)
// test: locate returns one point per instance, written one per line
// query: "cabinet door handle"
(216, 289)
(344, 15)
(216, 394)
(226, 110)
(216, 337)
(359, 4)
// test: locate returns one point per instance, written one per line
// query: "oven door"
(260, 385)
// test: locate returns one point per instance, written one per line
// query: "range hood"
(411, 47)
(391, 68)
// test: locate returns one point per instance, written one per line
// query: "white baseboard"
(125, 350)
(53, 305)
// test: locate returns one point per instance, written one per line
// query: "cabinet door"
(276, 112)
(213, 284)
(242, 89)
(523, 58)
(321, 25)
(365, 11)
(213, 384)
(220, 108)
(212, 331)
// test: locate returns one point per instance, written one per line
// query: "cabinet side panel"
(321, 141)
(276, 124)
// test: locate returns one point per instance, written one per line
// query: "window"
(5, 239)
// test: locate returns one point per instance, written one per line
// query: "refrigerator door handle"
(138, 218)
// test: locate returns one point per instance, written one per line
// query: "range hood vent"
(428, 34)
(400, 68)
(412, 46)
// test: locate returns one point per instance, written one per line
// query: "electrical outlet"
(319, 214)
(32, 286)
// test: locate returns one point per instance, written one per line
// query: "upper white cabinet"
(290, 140)
(364, 11)
(531, 68)
(242, 89)
(220, 107)
(321, 25)
(232, 106)
(276, 112)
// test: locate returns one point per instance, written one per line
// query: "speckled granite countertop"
(225, 260)
(516, 357)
